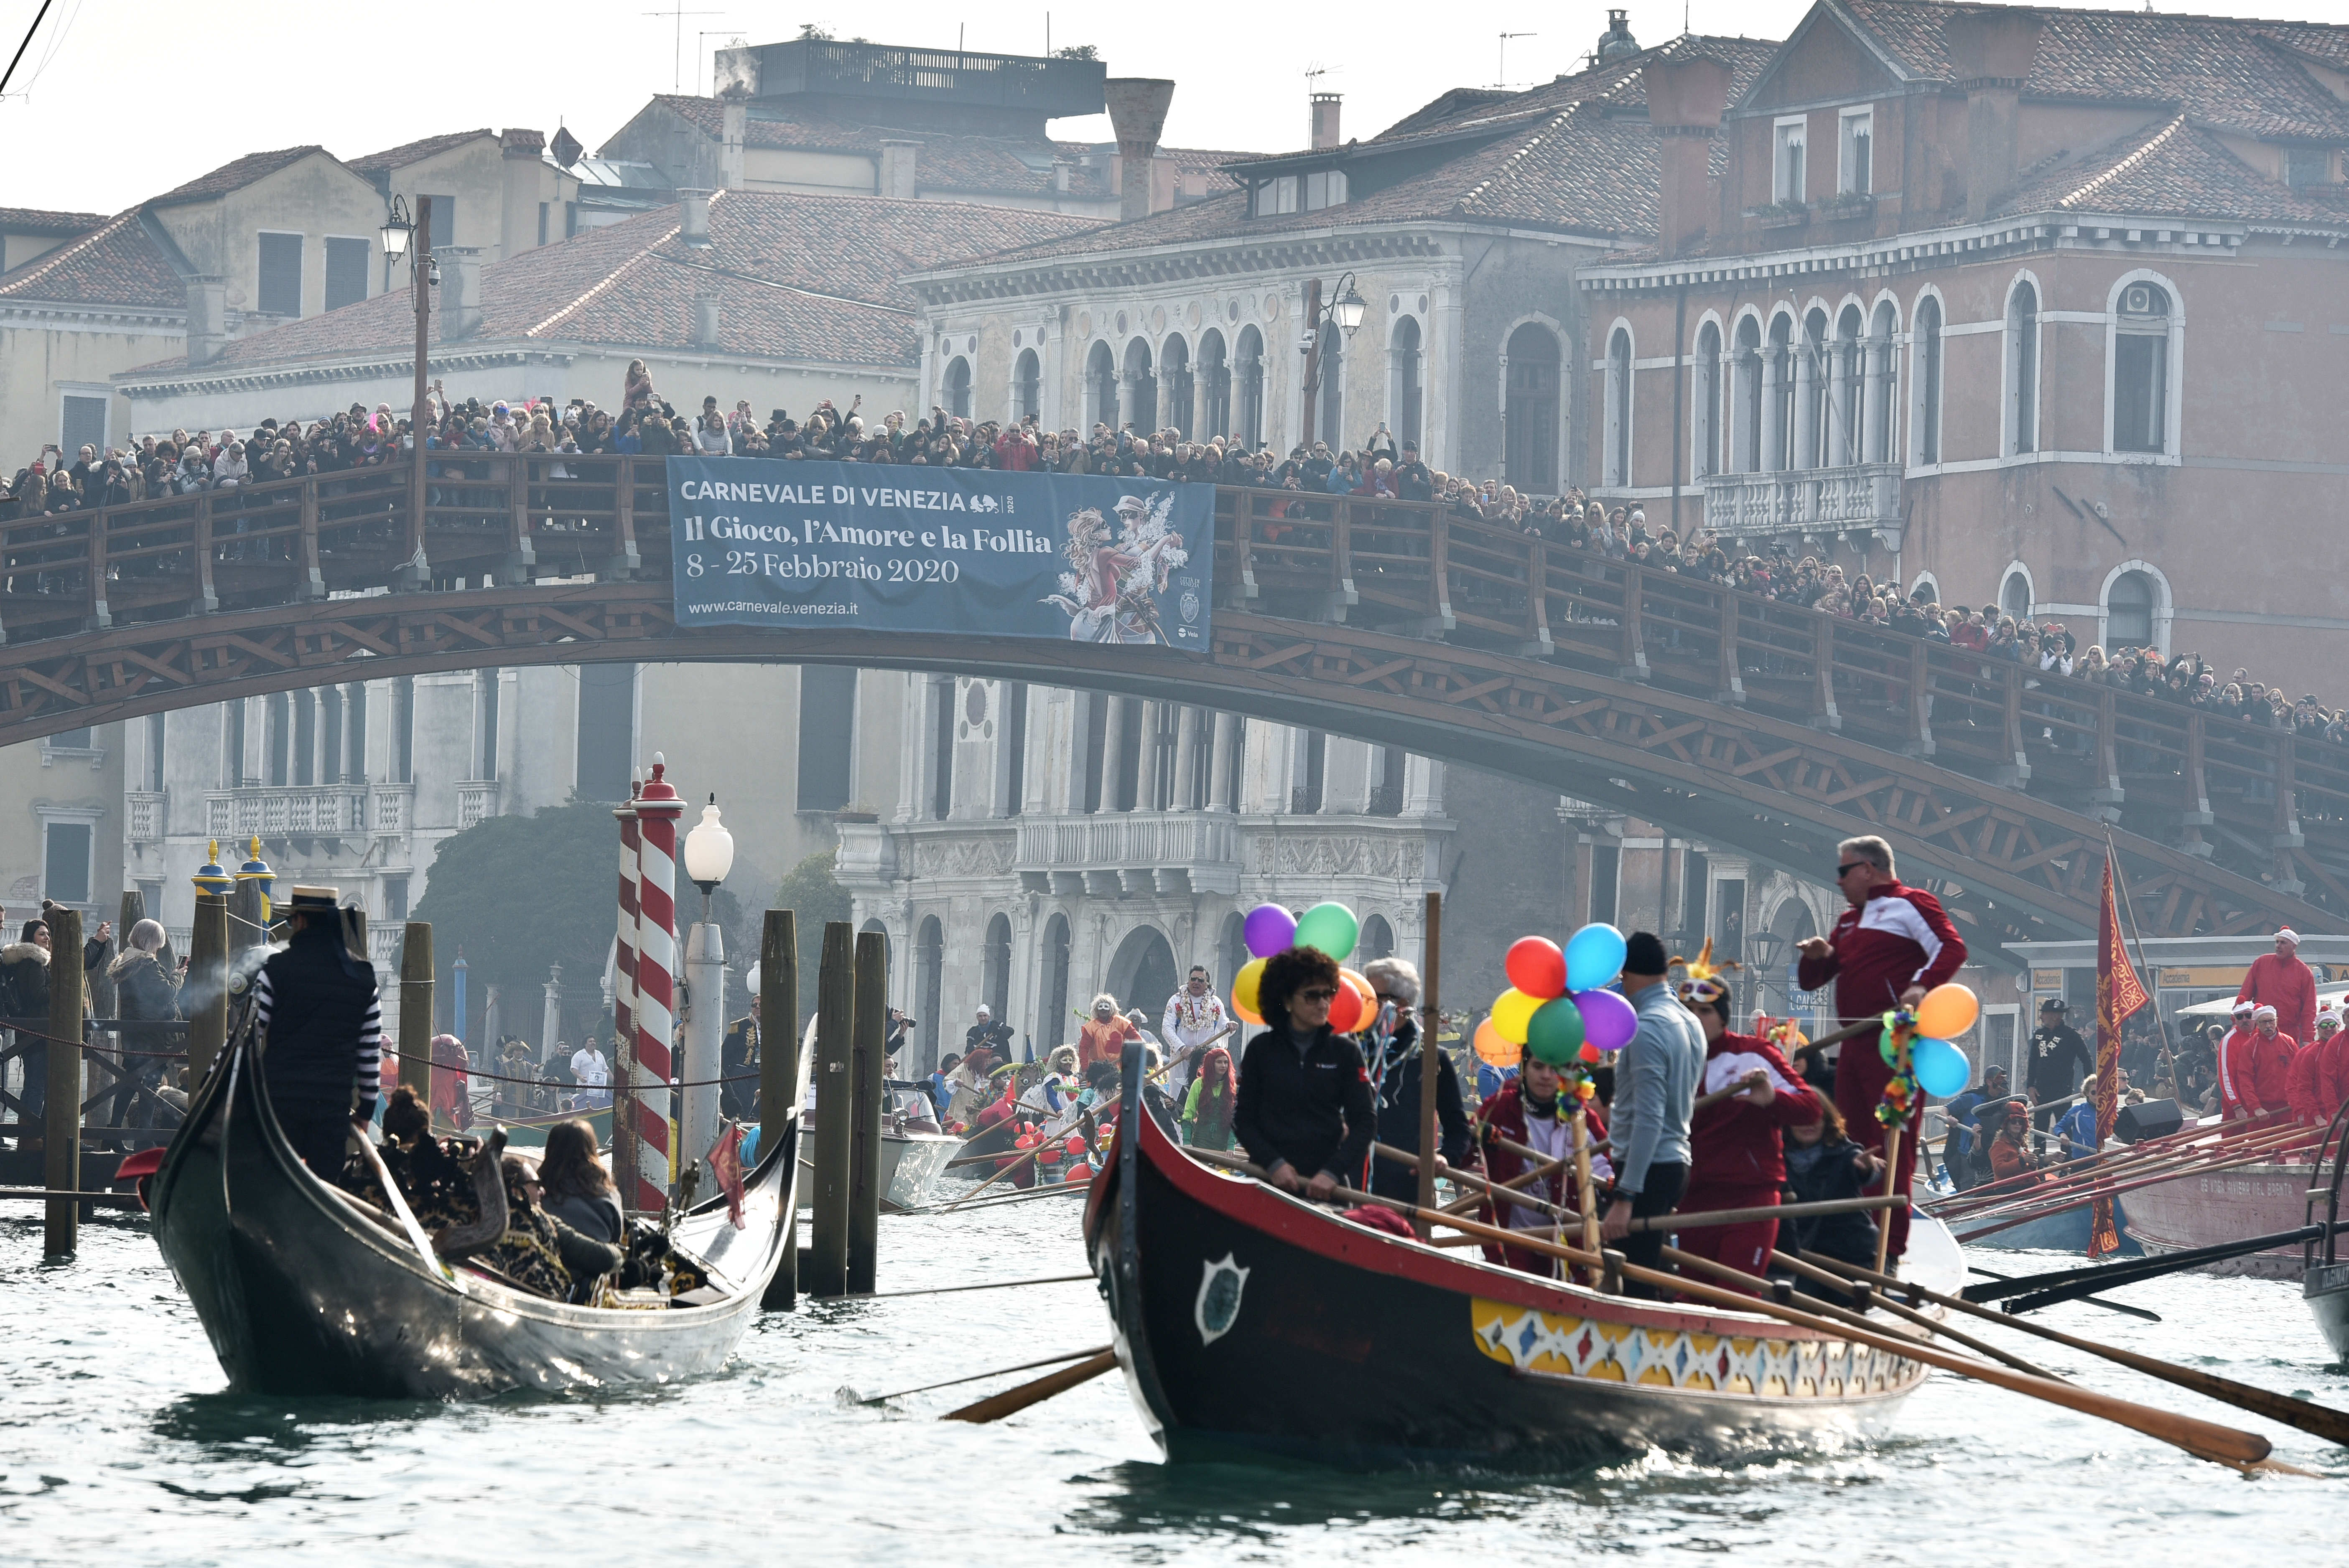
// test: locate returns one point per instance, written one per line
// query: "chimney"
(1137, 112)
(521, 167)
(461, 289)
(1686, 94)
(1063, 170)
(734, 117)
(1325, 120)
(704, 317)
(1989, 54)
(207, 318)
(697, 216)
(900, 169)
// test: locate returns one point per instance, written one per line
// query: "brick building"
(2038, 306)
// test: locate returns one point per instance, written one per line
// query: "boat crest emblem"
(1220, 1285)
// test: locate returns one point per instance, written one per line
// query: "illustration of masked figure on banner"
(1110, 596)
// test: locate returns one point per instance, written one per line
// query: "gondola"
(304, 1289)
(2324, 1274)
(1247, 1319)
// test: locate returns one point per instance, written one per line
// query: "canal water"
(119, 1445)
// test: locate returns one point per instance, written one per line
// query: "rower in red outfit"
(1738, 1160)
(1891, 946)
(1528, 1112)
(2280, 980)
(2307, 1085)
(2255, 1066)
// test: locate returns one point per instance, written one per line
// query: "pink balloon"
(1608, 1019)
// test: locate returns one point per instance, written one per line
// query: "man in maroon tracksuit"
(1737, 1159)
(1891, 946)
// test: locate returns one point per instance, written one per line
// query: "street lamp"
(396, 227)
(708, 856)
(1347, 308)
(403, 236)
(1769, 947)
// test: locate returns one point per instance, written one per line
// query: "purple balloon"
(1269, 929)
(1608, 1019)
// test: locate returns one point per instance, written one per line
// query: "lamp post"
(397, 234)
(708, 856)
(1768, 948)
(1345, 308)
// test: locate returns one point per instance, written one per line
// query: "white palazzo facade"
(1047, 845)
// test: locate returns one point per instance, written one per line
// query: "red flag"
(726, 1164)
(2119, 993)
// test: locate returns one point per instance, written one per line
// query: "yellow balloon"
(1513, 1015)
(1243, 985)
(1947, 1012)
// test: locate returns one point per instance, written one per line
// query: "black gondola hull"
(302, 1291)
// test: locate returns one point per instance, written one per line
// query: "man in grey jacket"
(1656, 1079)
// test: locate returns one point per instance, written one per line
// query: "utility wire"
(17, 59)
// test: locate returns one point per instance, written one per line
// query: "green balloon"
(1331, 927)
(1555, 1035)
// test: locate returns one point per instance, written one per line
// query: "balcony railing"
(476, 800)
(1130, 852)
(1806, 500)
(275, 811)
(145, 814)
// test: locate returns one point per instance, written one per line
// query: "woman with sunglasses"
(1304, 1112)
(1737, 1157)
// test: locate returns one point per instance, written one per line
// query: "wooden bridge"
(1760, 727)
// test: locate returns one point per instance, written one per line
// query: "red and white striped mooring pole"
(658, 807)
(624, 1009)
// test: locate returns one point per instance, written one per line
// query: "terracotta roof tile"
(120, 263)
(234, 176)
(799, 277)
(400, 156)
(2176, 168)
(34, 221)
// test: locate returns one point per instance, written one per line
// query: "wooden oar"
(975, 1376)
(2087, 1197)
(1698, 1220)
(2239, 1451)
(2097, 1301)
(1992, 1194)
(2035, 1291)
(2070, 1183)
(2325, 1422)
(1012, 1401)
(958, 1289)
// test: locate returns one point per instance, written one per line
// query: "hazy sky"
(120, 99)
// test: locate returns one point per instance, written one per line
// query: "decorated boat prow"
(1246, 1318)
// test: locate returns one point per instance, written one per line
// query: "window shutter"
(65, 870)
(83, 424)
(346, 273)
(281, 275)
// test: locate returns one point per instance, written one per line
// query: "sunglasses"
(1318, 993)
(1848, 868)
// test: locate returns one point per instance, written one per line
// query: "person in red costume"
(2234, 1061)
(1891, 946)
(996, 1130)
(2280, 980)
(1534, 1111)
(2305, 1085)
(1738, 1158)
(2255, 1066)
(2332, 1044)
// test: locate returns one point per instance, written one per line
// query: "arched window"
(929, 985)
(1052, 1005)
(1925, 377)
(1881, 373)
(1778, 396)
(2141, 326)
(1847, 390)
(1744, 455)
(1705, 402)
(1215, 388)
(1404, 394)
(2014, 595)
(955, 392)
(2021, 370)
(1247, 393)
(1325, 413)
(1378, 941)
(1617, 467)
(1141, 388)
(1174, 376)
(1530, 428)
(2128, 611)
(1101, 385)
(995, 967)
(1232, 951)
(1028, 387)
(1814, 377)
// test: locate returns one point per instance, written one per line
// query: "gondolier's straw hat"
(312, 898)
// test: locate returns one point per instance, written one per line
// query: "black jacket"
(1312, 1107)
(316, 1005)
(142, 991)
(1398, 1103)
(2059, 1060)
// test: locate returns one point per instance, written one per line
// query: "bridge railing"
(1419, 567)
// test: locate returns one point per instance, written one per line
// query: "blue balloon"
(1594, 955)
(1940, 1068)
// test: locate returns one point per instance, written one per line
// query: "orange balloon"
(1361, 986)
(1245, 1015)
(1492, 1048)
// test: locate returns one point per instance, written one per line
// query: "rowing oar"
(1695, 1221)
(2035, 1291)
(2084, 1198)
(1012, 1401)
(955, 1289)
(1990, 1194)
(2239, 1451)
(975, 1376)
(1055, 1188)
(2325, 1422)
(2122, 1307)
(2071, 1183)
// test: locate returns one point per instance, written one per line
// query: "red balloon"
(1347, 1012)
(1536, 968)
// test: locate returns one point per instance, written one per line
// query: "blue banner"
(884, 547)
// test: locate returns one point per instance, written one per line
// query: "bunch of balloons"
(1557, 1007)
(1329, 927)
(1931, 1064)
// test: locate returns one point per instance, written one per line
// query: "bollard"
(835, 1018)
(246, 927)
(779, 1074)
(62, 1122)
(208, 984)
(871, 1072)
(415, 1009)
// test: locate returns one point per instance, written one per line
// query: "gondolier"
(1893, 945)
(2280, 980)
(313, 1004)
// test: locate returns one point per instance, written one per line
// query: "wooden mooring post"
(61, 1115)
(778, 1076)
(836, 1022)
(868, 1078)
